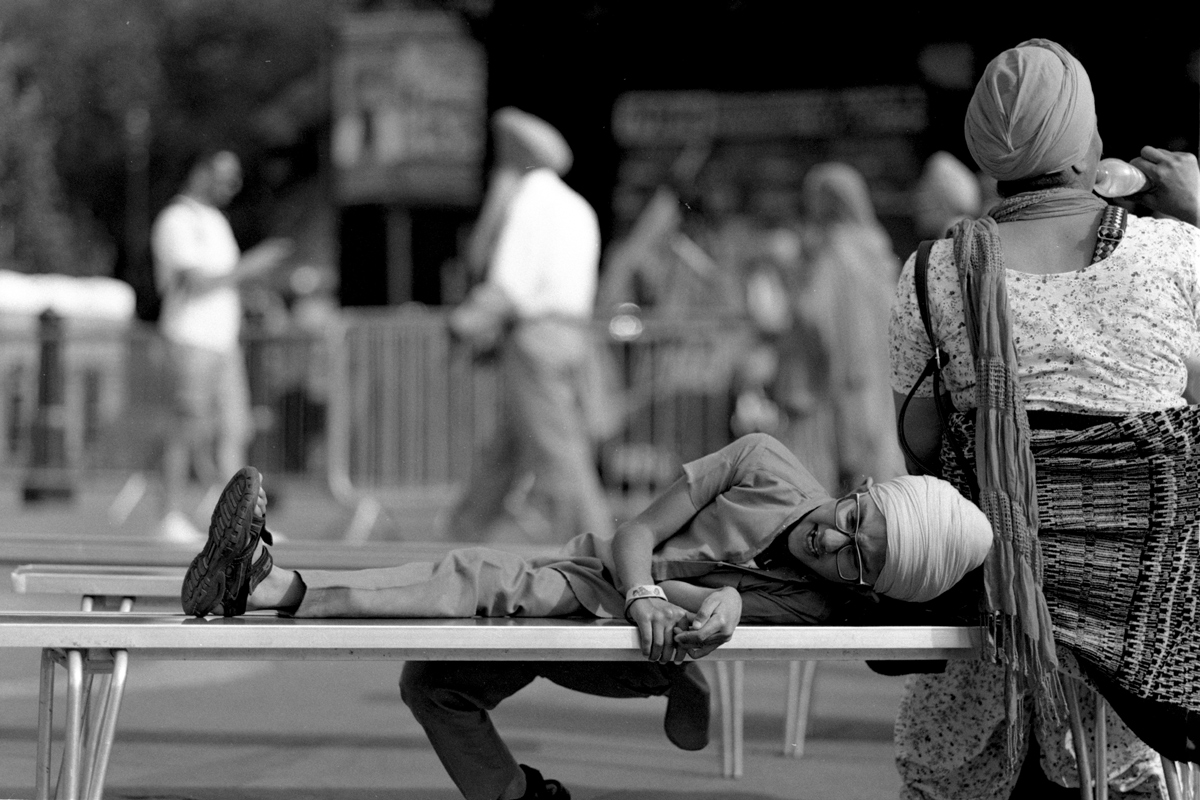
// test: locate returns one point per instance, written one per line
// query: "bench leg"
(68, 781)
(739, 693)
(107, 729)
(723, 694)
(1174, 789)
(95, 695)
(731, 684)
(1082, 761)
(45, 722)
(1101, 745)
(801, 675)
(1183, 779)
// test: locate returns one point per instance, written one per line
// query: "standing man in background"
(198, 267)
(537, 243)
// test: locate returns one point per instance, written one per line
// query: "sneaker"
(686, 720)
(539, 788)
(222, 573)
(176, 528)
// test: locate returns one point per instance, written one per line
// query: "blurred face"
(844, 540)
(224, 178)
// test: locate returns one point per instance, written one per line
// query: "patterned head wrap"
(538, 140)
(1033, 112)
(935, 536)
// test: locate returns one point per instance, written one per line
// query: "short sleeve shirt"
(192, 236)
(745, 495)
(1111, 338)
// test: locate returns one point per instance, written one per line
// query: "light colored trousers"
(543, 432)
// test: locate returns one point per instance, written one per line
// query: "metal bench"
(118, 586)
(91, 644)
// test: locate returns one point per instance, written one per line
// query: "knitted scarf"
(1021, 634)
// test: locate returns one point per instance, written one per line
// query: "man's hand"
(713, 624)
(265, 256)
(656, 621)
(1174, 183)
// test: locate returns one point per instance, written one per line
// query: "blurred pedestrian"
(845, 303)
(198, 268)
(537, 243)
(947, 191)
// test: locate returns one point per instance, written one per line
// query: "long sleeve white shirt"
(547, 255)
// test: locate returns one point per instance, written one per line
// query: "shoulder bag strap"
(936, 361)
(1110, 232)
(933, 367)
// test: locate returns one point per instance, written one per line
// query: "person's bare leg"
(280, 589)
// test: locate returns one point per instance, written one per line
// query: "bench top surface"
(141, 551)
(267, 636)
(115, 578)
(94, 579)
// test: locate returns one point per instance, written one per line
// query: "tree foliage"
(80, 177)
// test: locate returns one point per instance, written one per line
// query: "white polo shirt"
(190, 235)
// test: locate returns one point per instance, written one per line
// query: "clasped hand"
(669, 633)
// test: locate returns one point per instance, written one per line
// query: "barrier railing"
(409, 408)
(381, 403)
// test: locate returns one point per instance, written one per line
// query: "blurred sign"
(657, 118)
(409, 104)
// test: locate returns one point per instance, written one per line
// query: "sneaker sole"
(230, 541)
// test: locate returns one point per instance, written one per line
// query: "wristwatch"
(646, 590)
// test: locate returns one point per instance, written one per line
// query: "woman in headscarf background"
(1056, 335)
(843, 305)
(946, 193)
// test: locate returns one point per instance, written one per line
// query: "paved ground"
(233, 731)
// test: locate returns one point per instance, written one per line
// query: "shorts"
(210, 392)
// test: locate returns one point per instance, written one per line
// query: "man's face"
(825, 539)
(224, 178)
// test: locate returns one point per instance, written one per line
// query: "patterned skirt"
(1119, 511)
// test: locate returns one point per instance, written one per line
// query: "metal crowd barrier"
(409, 408)
(381, 404)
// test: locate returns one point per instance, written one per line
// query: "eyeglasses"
(849, 557)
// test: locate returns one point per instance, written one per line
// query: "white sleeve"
(176, 241)
(517, 261)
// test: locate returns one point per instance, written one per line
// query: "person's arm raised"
(1174, 183)
(259, 260)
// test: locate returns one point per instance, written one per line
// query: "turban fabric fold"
(539, 140)
(1033, 112)
(935, 536)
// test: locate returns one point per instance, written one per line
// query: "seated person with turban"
(744, 534)
(1068, 329)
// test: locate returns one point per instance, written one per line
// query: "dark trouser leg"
(451, 700)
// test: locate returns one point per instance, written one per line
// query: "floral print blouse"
(1111, 338)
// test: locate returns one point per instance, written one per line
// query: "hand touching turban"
(1033, 112)
(935, 536)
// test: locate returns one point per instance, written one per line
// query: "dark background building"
(573, 63)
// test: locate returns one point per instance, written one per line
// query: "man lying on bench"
(745, 534)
